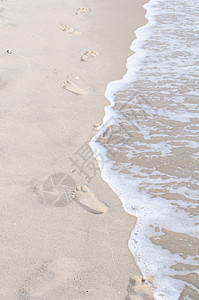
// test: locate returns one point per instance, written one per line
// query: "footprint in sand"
(86, 199)
(72, 87)
(60, 190)
(138, 289)
(82, 10)
(69, 29)
(53, 278)
(88, 55)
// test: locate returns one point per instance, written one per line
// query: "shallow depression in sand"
(150, 144)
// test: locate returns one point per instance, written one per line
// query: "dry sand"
(57, 244)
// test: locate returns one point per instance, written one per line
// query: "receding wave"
(148, 147)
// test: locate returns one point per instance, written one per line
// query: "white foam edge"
(167, 285)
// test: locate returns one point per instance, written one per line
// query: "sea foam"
(151, 128)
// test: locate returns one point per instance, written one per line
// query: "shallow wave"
(147, 147)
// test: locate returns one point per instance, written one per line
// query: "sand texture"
(64, 233)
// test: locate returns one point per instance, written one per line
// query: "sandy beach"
(56, 61)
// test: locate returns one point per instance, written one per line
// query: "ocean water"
(148, 147)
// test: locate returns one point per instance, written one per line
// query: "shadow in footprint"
(88, 55)
(72, 87)
(82, 10)
(89, 202)
(69, 29)
(138, 289)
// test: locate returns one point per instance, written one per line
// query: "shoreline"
(56, 248)
(178, 285)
